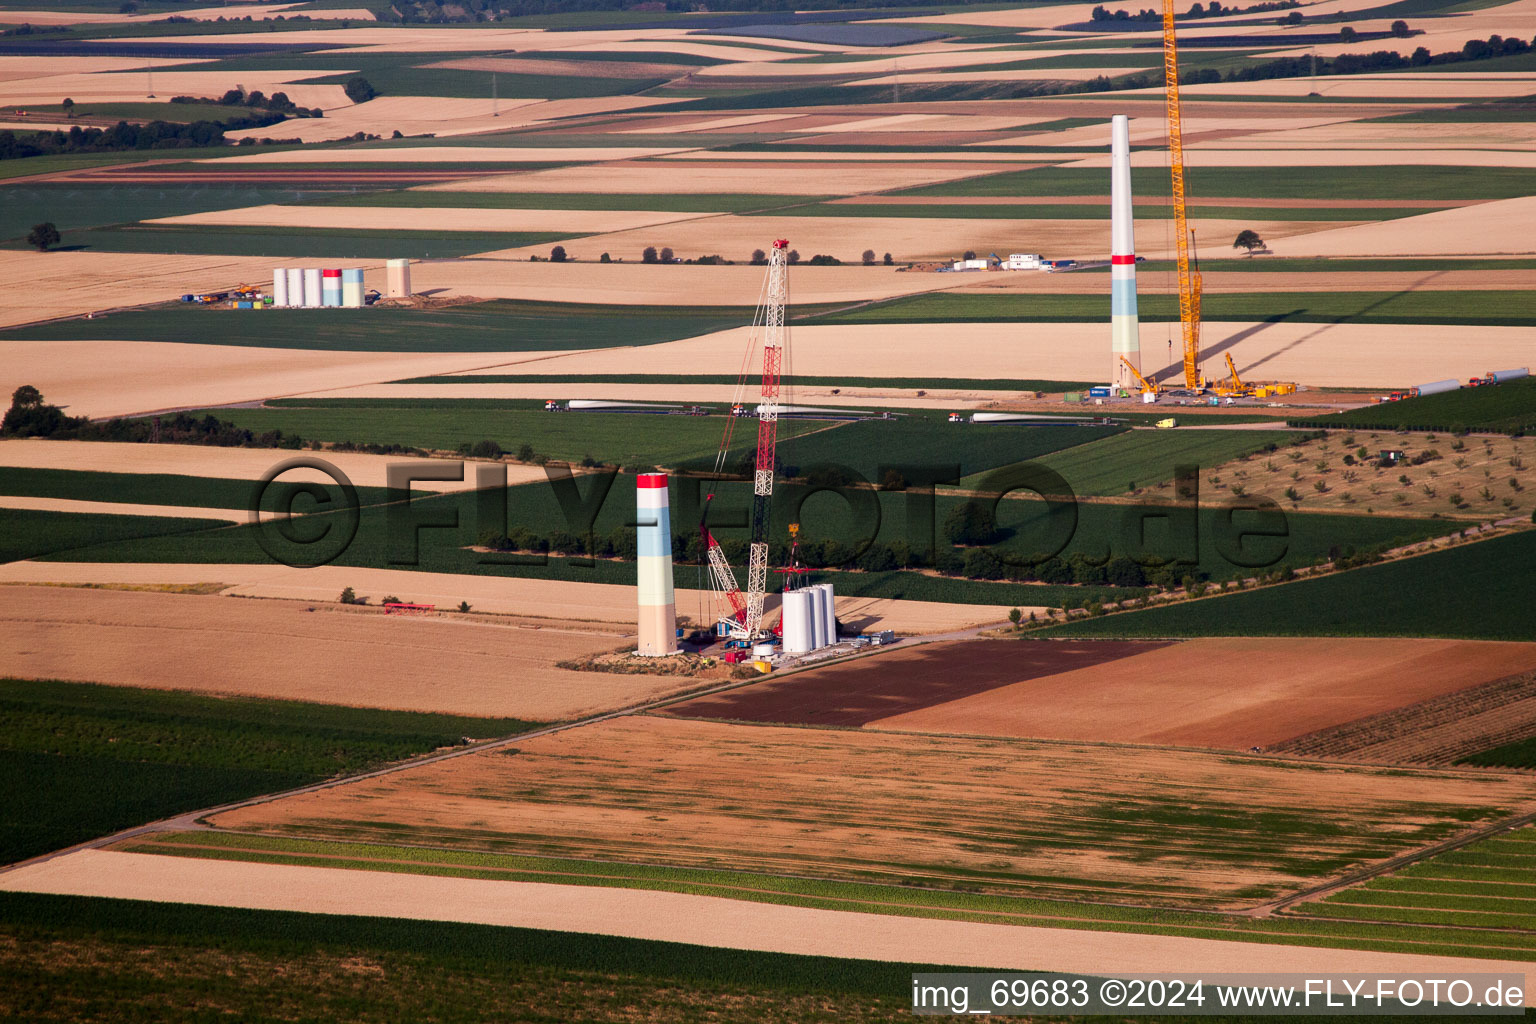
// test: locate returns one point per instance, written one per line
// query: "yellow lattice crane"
(1189, 280)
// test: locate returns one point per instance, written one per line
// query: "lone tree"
(1400, 29)
(793, 256)
(888, 260)
(648, 255)
(68, 105)
(970, 254)
(605, 258)
(1348, 35)
(557, 254)
(869, 257)
(360, 90)
(758, 256)
(44, 236)
(1248, 239)
(667, 255)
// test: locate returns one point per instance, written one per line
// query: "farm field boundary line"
(246, 847)
(192, 820)
(1395, 864)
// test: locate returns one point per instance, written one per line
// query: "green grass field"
(459, 84)
(1487, 885)
(1145, 458)
(689, 203)
(1473, 591)
(632, 440)
(1519, 754)
(914, 383)
(868, 445)
(1508, 408)
(162, 961)
(74, 206)
(1213, 545)
(1388, 182)
(1491, 308)
(28, 534)
(97, 759)
(298, 242)
(157, 488)
(498, 326)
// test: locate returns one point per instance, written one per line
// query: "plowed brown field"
(1232, 694)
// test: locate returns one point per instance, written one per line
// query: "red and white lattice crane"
(745, 617)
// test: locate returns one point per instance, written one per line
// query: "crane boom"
(1189, 281)
(1147, 387)
(774, 302)
(745, 619)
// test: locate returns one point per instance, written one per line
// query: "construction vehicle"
(1148, 387)
(744, 620)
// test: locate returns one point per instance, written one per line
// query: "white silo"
(797, 621)
(279, 287)
(818, 617)
(829, 612)
(312, 298)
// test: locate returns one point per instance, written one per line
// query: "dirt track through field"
(676, 917)
(866, 691)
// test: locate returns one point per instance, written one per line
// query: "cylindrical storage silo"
(829, 612)
(797, 621)
(818, 618)
(398, 279)
(352, 287)
(312, 297)
(279, 287)
(1437, 387)
(295, 286)
(330, 287)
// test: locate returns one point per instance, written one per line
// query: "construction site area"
(621, 512)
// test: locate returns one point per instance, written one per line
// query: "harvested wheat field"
(908, 682)
(1320, 355)
(559, 600)
(388, 218)
(1429, 156)
(908, 238)
(448, 155)
(223, 463)
(1192, 693)
(1002, 816)
(120, 508)
(133, 86)
(722, 178)
(680, 917)
(121, 378)
(294, 651)
(635, 283)
(1506, 227)
(43, 286)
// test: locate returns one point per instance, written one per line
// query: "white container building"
(312, 296)
(829, 613)
(797, 622)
